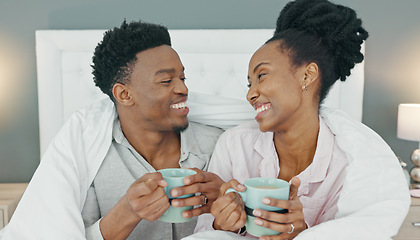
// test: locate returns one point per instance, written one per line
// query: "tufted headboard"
(216, 63)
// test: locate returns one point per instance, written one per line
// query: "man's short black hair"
(115, 56)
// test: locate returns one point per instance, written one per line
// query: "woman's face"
(275, 88)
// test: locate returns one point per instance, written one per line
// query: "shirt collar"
(117, 133)
(189, 143)
(264, 146)
(317, 171)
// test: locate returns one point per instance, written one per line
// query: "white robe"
(53, 201)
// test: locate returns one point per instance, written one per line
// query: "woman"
(346, 182)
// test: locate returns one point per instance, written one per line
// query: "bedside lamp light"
(409, 129)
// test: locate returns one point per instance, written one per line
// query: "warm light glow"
(5, 93)
(10, 81)
(409, 122)
(401, 64)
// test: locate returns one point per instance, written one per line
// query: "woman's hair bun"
(338, 27)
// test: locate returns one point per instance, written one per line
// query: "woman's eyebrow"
(259, 65)
(256, 67)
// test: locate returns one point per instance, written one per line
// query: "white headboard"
(216, 63)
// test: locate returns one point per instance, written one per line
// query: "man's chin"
(180, 129)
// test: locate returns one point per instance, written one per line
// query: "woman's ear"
(122, 94)
(311, 76)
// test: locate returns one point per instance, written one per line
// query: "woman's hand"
(228, 209)
(206, 183)
(289, 224)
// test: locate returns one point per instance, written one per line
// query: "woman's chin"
(263, 127)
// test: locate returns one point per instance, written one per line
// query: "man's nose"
(180, 87)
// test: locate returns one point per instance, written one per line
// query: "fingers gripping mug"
(174, 177)
(256, 190)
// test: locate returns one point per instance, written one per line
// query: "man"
(98, 178)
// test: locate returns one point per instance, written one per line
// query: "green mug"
(174, 177)
(256, 190)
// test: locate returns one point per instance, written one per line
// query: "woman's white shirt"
(354, 188)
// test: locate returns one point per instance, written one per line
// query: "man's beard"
(180, 129)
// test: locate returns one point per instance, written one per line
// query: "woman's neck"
(296, 146)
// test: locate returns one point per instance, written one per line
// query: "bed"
(216, 63)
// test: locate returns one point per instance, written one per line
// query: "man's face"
(158, 90)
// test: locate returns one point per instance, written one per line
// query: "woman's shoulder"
(250, 127)
(351, 135)
(342, 124)
(243, 134)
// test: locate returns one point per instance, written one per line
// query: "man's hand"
(207, 183)
(228, 209)
(145, 199)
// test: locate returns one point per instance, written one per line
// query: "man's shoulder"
(204, 136)
(205, 130)
(96, 110)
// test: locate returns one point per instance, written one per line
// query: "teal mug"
(256, 190)
(174, 177)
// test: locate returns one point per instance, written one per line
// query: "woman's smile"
(261, 109)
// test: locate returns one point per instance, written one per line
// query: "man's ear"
(311, 75)
(122, 94)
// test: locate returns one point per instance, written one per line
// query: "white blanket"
(374, 180)
(52, 204)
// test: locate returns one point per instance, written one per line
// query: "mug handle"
(242, 194)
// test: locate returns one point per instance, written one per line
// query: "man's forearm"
(119, 222)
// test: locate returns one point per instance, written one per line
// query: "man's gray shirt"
(123, 165)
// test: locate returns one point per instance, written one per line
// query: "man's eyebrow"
(167, 70)
(259, 65)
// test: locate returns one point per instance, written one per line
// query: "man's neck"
(160, 149)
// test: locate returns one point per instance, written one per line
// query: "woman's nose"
(252, 94)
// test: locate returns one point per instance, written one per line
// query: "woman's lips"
(261, 109)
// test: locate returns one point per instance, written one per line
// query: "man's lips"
(180, 105)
